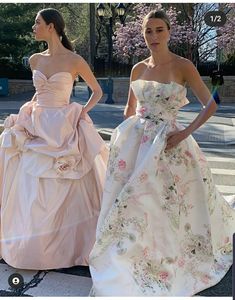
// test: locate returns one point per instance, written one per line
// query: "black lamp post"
(101, 13)
(121, 9)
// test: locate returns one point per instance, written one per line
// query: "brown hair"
(157, 14)
(51, 15)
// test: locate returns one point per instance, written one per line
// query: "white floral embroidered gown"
(164, 230)
(52, 173)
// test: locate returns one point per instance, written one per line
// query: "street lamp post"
(101, 13)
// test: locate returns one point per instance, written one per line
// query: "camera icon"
(16, 281)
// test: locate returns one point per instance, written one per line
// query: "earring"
(61, 38)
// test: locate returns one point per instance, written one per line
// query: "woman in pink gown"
(52, 162)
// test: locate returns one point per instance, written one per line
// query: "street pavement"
(217, 140)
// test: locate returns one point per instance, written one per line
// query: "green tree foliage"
(76, 16)
(16, 38)
(77, 23)
(16, 21)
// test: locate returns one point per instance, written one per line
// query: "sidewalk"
(219, 130)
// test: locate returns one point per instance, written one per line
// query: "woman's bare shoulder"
(139, 68)
(75, 58)
(74, 55)
(141, 64)
(33, 60)
(77, 63)
(183, 62)
(185, 67)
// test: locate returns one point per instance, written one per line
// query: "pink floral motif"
(143, 177)
(142, 110)
(122, 165)
(176, 178)
(144, 139)
(189, 154)
(146, 252)
(64, 164)
(226, 240)
(205, 278)
(163, 276)
(181, 262)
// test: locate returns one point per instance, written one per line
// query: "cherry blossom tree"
(129, 42)
(190, 36)
(226, 38)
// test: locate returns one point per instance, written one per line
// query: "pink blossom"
(146, 251)
(226, 240)
(144, 139)
(189, 154)
(129, 45)
(225, 38)
(122, 165)
(64, 164)
(163, 276)
(129, 41)
(176, 178)
(142, 110)
(143, 177)
(181, 262)
(205, 278)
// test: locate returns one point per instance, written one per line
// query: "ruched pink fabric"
(52, 173)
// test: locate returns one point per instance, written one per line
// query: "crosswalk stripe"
(226, 189)
(222, 151)
(229, 172)
(221, 159)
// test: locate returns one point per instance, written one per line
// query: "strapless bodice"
(158, 101)
(54, 91)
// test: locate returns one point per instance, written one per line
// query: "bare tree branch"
(206, 54)
(208, 40)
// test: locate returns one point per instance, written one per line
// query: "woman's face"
(156, 34)
(40, 28)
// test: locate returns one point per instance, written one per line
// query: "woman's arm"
(34, 98)
(85, 72)
(131, 102)
(33, 62)
(193, 79)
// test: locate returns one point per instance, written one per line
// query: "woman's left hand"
(174, 138)
(83, 114)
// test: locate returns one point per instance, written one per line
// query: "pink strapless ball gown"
(51, 182)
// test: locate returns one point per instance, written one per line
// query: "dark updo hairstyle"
(51, 15)
(157, 14)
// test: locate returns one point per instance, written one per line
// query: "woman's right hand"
(83, 70)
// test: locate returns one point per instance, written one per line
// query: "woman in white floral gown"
(164, 229)
(52, 162)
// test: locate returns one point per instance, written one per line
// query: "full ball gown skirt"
(164, 229)
(51, 182)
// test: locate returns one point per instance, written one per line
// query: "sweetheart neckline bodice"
(163, 83)
(53, 75)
